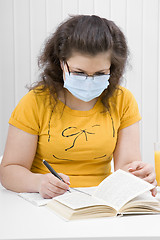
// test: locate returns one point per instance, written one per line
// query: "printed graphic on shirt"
(81, 133)
(78, 134)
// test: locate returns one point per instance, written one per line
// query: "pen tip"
(43, 160)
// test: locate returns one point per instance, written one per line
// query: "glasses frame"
(86, 75)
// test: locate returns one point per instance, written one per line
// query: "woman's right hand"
(50, 186)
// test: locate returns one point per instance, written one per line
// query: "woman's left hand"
(144, 171)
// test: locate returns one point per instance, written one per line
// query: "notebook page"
(34, 198)
(120, 187)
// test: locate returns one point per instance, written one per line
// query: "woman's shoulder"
(39, 91)
(29, 112)
(126, 107)
(122, 93)
(40, 95)
(122, 98)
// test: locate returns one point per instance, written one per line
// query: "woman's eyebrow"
(95, 72)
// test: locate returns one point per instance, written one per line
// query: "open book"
(120, 193)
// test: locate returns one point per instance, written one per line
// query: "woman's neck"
(75, 103)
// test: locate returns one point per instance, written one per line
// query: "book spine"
(119, 214)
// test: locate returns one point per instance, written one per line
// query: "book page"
(120, 187)
(145, 202)
(77, 200)
(145, 197)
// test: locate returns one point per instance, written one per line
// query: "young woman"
(77, 116)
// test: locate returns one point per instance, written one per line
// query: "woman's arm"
(15, 171)
(18, 156)
(127, 155)
(128, 147)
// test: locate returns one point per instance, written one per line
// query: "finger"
(53, 194)
(143, 171)
(44, 195)
(57, 182)
(140, 173)
(55, 189)
(65, 178)
(135, 166)
(150, 178)
(154, 192)
(155, 183)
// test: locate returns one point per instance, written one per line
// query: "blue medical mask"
(84, 87)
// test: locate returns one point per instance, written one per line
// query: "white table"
(20, 219)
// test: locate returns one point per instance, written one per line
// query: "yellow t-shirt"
(77, 143)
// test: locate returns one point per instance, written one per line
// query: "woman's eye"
(99, 74)
(79, 73)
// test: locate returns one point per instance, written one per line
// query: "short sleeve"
(25, 115)
(129, 111)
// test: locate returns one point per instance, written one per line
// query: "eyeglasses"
(82, 74)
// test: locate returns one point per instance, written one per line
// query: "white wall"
(24, 24)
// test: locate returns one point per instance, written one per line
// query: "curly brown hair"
(87, 35)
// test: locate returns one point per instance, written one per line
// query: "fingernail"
(129, 169)
(68, 183)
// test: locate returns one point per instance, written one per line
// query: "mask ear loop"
(67, 67)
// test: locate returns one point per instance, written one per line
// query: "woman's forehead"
(83, 61)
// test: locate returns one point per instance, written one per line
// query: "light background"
(24, 25)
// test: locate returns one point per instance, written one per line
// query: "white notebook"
(38, 200)
(34, 198)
